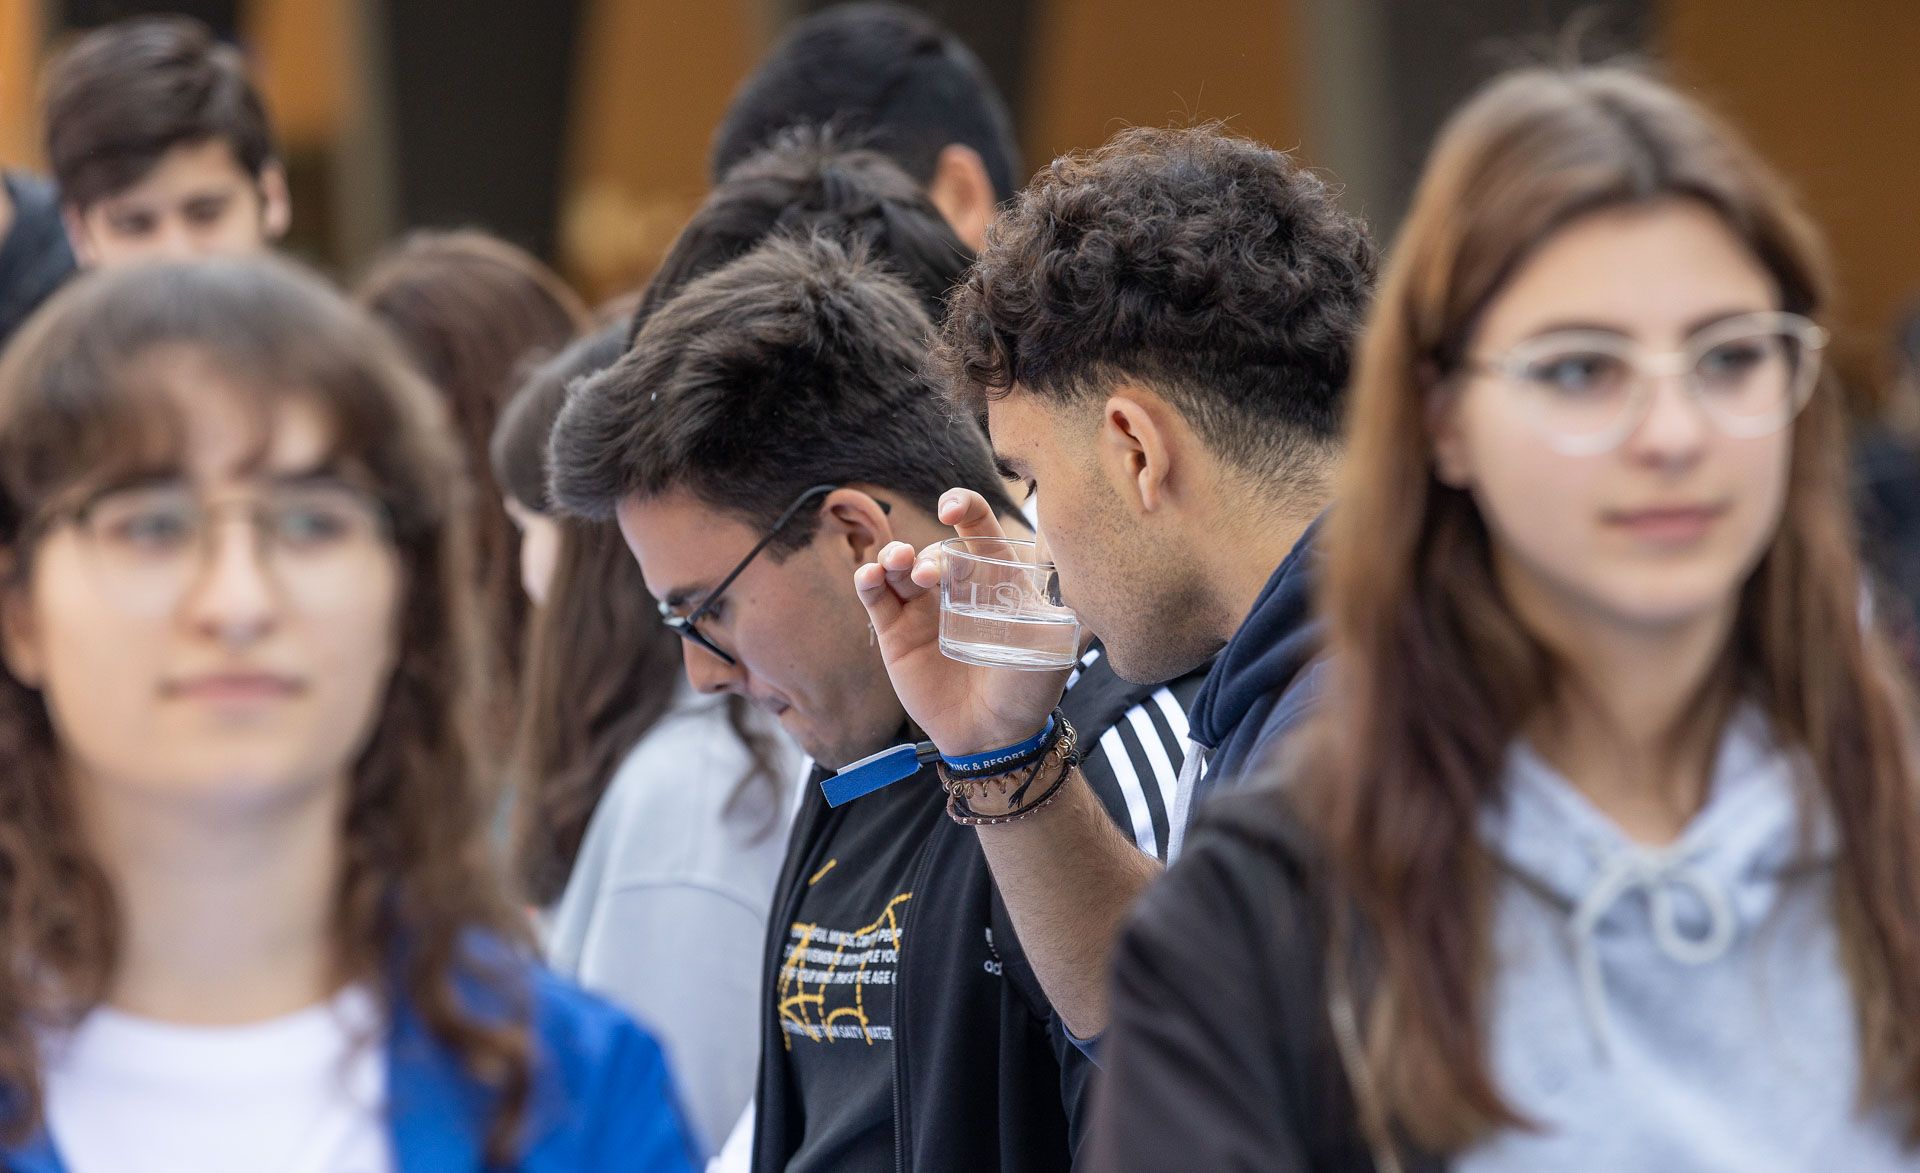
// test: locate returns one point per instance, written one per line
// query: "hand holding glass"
(1000, 606)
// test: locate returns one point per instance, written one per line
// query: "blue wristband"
(997, 760)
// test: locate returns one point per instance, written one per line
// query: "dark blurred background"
(579, 128)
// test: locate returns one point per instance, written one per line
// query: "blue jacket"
(601, 1101)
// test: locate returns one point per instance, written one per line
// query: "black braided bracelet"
(960, 808)
(960, 811)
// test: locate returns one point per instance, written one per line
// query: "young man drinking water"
(1158, 334)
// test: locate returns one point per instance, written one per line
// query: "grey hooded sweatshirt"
(1675, 1008)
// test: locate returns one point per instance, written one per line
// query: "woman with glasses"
(249, 918)
(650, 818)
(1605, 853)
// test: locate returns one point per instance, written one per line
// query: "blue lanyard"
(881, 770)
(877, 772)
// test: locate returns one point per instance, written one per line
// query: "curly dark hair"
(1210, 267)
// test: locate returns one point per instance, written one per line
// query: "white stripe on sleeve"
(1128, 780)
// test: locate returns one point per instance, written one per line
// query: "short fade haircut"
(890, 75)
(1208, 267)
(128, 93)
(807, 183)
(800, 364)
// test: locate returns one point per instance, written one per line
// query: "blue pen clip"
(877, 772)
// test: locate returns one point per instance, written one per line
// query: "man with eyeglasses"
(769, 433)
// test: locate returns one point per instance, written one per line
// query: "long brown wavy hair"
(419, 911)
(474, 312)
(1434, 673)
(601, 669)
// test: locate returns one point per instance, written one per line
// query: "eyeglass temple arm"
(778, 525)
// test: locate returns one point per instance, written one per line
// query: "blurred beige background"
(1829, 89)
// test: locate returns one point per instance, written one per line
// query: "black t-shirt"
(833, 992)
(34, 256)
(976, 1071)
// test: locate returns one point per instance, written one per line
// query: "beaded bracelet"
(961, 812)
(961, 791)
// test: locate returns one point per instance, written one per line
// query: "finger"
(897, 559)
(926, 569)
(883, 606)
(969, 514)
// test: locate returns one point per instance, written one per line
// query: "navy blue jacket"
(1265, 680)
(34, 255)
(601, 1100)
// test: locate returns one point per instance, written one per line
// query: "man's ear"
(77, 238)
(963, 192)
(276, 202)
(19, 635)
(1136, 443)
(857, 523)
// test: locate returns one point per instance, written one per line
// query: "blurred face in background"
(539, 549)
(198, 201)
(220, 634)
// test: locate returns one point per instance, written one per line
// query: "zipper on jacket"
(920, 867)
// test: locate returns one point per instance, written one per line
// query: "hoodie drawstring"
(1657, 874)
(1192, 770)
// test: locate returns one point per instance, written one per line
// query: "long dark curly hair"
(417, 893)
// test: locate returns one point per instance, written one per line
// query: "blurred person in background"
(474, 313)
(34, 254)
(806, 180)
(1887, 470)
(1603, 852)
(245, 829)
(650, 818)
(161, 146)
(886, 77)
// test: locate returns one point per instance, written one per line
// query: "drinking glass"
(1000, 606)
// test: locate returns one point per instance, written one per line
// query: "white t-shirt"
(301, 1094)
